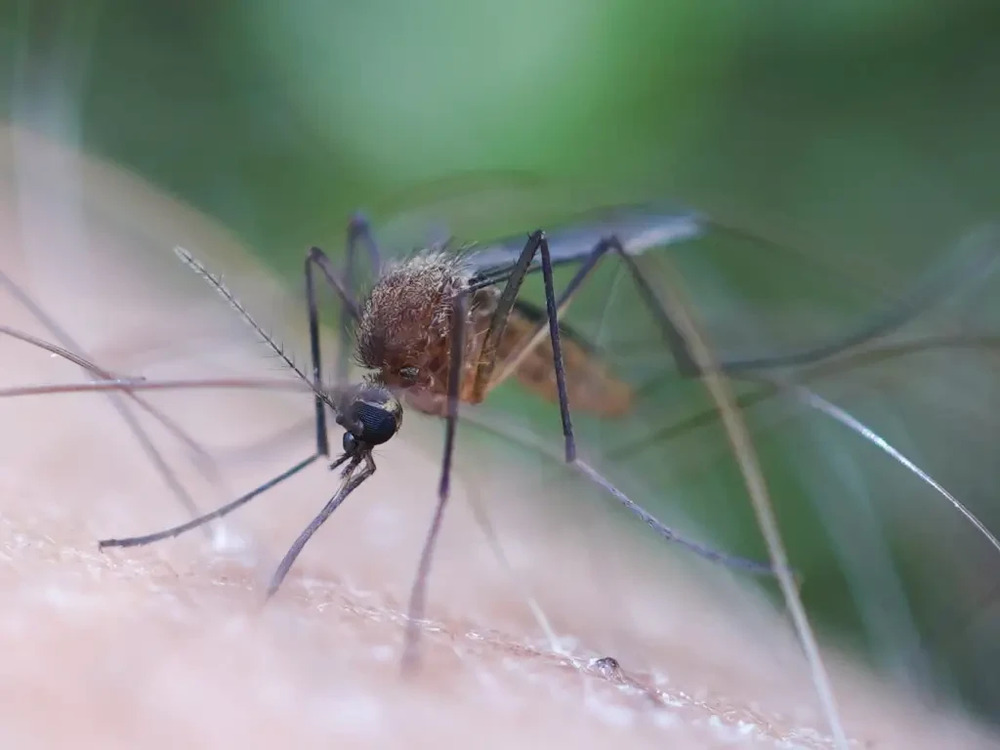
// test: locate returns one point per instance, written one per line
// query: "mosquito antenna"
(216, 283)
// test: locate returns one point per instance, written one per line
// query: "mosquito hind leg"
(671, 334)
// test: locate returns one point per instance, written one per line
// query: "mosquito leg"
(358, 230)
(349, 484)
(529, 439)
(498, 322)
(201, 456)
(535, 242)
(138, 541)
(142, 437)
(977, 260)
(557, 358)
(322, 437)
(318, 258)
(671, 334)
(552, 308)
(735, 562)
(415, 611)
(349, 313)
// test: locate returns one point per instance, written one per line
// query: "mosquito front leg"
(142, 437)
(322, 447)
(459, 312)
(350, 483)
(138, 541)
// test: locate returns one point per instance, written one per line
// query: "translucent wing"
(639, 229)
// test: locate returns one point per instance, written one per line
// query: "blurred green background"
(863, 134)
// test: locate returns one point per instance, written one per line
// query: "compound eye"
(350, 444)
(409, 374)
(379, 422)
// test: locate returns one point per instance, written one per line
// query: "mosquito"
(444, 327)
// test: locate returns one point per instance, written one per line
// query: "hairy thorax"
(406, 324)
(405, 332)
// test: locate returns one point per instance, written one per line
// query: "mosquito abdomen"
(590, 383)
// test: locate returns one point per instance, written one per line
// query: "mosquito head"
(370, 416)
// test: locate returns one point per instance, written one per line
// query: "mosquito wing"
(639, 229)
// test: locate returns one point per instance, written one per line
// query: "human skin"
(171, 645)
